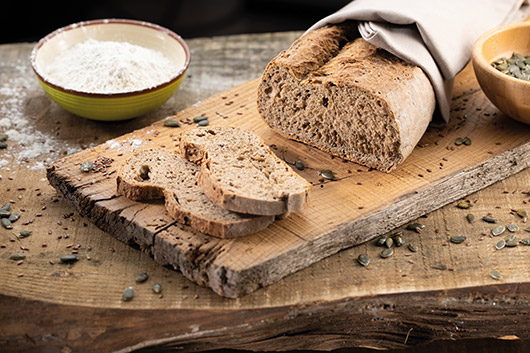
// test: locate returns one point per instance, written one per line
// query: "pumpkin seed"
(199, 118)
(6, 223)
(463, 205)
(157, 288)
(203, 123)
(5, 214)
(68, 259)
(389, 242)
(500, 244)
(498, 230)
(6, 207)
(522, 213)
(3, 137)
(489, 219)
(86, 166)
(3, 145)
(509, 237)
(14, 217)
(525, 241)
(299, 165)
(387, 253)
(144, 172)
(17, 257)
(512, 243)
(512, 227)
(495, 275)
(363, 259)
(171, 123)
(128, 294)
(327, 174)
(467, 141)
(398, 240)
(459, 140)
(142, 277)
(24, 234)
(457, 239)
(412, 247)
(415, 226)
(527, 230)
(380, 241)
(470, 218)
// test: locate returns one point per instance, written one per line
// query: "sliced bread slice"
(239, 172)
(154, 174)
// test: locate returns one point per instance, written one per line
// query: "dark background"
(31, 20)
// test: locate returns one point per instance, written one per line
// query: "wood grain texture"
(57, 307)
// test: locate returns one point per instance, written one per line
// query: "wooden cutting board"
(359, 206)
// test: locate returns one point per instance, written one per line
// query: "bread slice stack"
(222, 181)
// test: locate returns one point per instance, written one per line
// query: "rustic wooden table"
(46, 306)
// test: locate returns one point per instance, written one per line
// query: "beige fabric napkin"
(437, 36)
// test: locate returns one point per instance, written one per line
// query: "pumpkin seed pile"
(517, 66)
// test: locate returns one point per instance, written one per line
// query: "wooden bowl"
(120, 105)
(511, 95)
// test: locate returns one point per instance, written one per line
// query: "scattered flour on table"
(26, 145)
(109, 67)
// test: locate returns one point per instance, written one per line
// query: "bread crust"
(347, 97)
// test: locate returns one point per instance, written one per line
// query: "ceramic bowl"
(511, 95)
(111, 106)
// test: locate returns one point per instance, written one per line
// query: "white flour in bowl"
(106, 67)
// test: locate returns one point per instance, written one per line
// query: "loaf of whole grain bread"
(239, 172)
(154, 174)
(346, 97)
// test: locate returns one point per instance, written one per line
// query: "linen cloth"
(437, 36)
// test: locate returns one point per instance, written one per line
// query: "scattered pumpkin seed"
(3, 137)
(86, 166)
(459, 140)
(68, 259)
(495, 275)
(157, 288)
(467, 141)
(6, 207)
(24, 234)
(512, 243)
(203, 123)
(457, 239)
(327, 174)
(489, 219)
(14, 217)
(380, 241)
(525, 241)
(5, 214)
(498, 230)
(299, 165)
(17, 257)
(363, 259)
(389, 242)
(171, 123)
(199, 118)
(470, 218)
(128, 294)
(415, 226)
(509, 237)
(523, 214)
(3, 145)
(412, 247)
(463, 205)
(6, 223)
(527, 230)
(398, 240)
(512, 227)
(142, 277)
(387, 253)
(500, 244)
